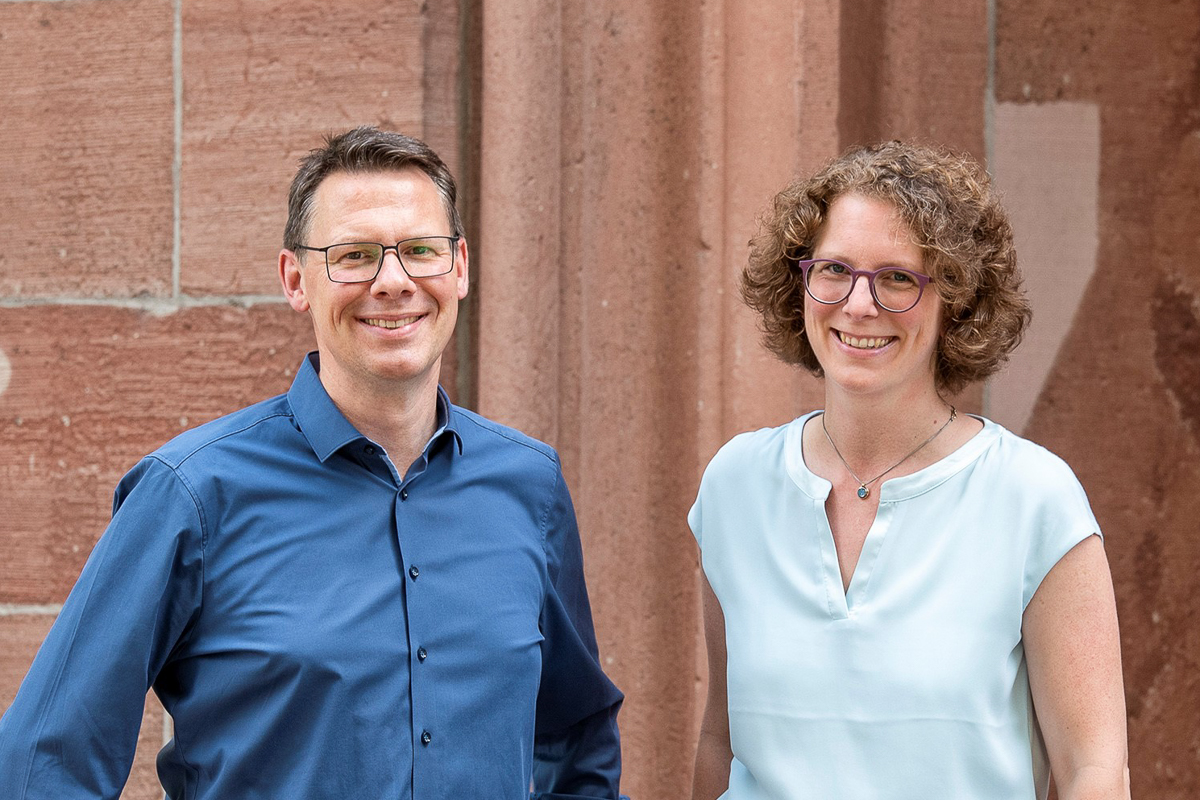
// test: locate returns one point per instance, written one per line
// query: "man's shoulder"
(245, 421)
(478, 429)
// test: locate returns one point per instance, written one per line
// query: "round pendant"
(863, 492)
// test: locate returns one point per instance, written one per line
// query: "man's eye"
(425, 250)
(353, 255)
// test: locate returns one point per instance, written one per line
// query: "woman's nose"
(860, 301)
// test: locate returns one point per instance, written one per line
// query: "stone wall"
(614, 157)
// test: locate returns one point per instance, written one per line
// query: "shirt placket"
(416, 577)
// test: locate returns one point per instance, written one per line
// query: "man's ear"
(462, 269)
(292, 279)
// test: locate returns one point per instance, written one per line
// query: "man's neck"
(399, 416)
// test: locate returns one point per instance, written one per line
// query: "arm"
(713, 751)
(1073, 652)
(577, 750)
(73, 726)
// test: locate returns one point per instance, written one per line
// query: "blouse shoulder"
(1052, 507)
(736, 470)
(1040, 472)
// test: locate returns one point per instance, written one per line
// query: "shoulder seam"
(208, 442)
(499, 431)
(187, 486)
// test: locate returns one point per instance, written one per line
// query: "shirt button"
(413, 572)
(426, 737)
(369, 449)
(421, 654)
(404, 494)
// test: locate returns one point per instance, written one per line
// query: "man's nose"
(392, 275)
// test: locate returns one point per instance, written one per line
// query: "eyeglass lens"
(353, 262)
(832, 282)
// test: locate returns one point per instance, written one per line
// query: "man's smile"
(392, 324)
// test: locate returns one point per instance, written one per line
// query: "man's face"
(388, 333)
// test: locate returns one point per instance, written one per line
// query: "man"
(356, 589)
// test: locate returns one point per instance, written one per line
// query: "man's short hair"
(363, 149)
(948, 203)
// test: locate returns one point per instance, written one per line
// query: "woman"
(894, 586)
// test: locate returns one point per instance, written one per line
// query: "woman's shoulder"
(1029, 479)
(1032, 463)
(751, 448)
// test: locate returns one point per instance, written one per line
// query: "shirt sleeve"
(577, 750)
(72, 729)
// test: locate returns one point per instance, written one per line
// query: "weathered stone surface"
(1120, 403)
(260, 89)
(609, 321)
(20, 637)
(92, 389)
(86, 145)
(624, 151)
(913, 68)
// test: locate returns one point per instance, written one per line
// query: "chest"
(359, 583)
(933, 611)
(850, 519)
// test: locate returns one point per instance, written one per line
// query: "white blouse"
(913, 683)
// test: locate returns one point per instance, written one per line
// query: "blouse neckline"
(892, 490)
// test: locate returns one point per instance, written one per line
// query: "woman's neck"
(871, 432)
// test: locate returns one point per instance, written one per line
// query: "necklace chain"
(863, 492)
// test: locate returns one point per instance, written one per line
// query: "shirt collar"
(324, 426)
(447, 420)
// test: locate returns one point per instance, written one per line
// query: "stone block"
(91, 390)
(260, 89)
(86, 149)
(914, 69)
(20, 637)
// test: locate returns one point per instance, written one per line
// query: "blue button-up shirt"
(320, 624)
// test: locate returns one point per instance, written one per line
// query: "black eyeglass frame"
(807, 264)
(453, 240)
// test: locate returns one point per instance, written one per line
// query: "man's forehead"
(349, 178)
(351, 191)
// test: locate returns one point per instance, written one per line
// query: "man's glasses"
(830, 282)
(360, 262)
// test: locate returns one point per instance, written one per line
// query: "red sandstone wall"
(145, 152)
(1122, 400)
(614, 157)
(608, 318)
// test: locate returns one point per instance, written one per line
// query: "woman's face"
(863, 349)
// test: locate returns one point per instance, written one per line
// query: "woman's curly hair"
(948, 203)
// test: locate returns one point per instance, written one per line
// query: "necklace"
(863, 492)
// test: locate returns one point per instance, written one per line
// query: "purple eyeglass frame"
(806, 266)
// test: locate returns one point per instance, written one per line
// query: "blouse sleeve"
(1064, 518)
